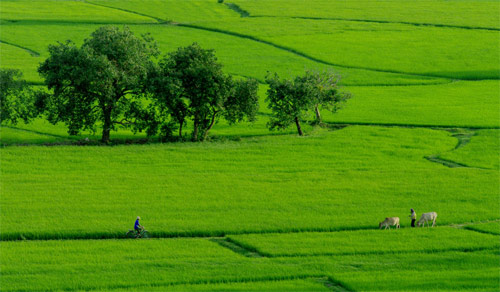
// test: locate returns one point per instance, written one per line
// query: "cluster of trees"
(112, 80)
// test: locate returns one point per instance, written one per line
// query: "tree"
(322, 88)
(16, 97)
(102, 81)
(290, 100)
(287, 102)
(192, 85)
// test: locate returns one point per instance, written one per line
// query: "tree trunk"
(106, 128)
(318, 115)
(212, 122)
(195, 130)
(180, 128)
(299, 129)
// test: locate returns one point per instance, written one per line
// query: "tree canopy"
(99, 83)
(16, 97)
(191, 85)
(291, 100)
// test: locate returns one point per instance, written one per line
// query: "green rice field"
(259, 210)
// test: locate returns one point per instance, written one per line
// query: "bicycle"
(141, 233)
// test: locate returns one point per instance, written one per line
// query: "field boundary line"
(333, 285)
(238, 248)
(159, 20)
(311, 58)
(402, 125)
(463, 139)
(281, 47)
(366, 253)
(30, 51)
(38, 133)
(218, 281)
(437, 25)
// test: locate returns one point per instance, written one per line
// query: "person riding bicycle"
(138, 227)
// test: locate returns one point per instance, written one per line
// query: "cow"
(388, 222)
(426, 217)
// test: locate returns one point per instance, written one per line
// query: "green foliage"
(191, 84)
(99, 81)
(16, 97)
(368, 241)
(291, 100)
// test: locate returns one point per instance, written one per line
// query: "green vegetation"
(491, 227)
(367, 241)
(215, 188)
(439, 12)
(483, 150)
(164, 264)
(251, 209)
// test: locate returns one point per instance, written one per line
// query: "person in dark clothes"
(138, 227)
(413, 217)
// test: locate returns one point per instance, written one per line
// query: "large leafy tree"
(16, 97)
(99, 83)
(190, 84)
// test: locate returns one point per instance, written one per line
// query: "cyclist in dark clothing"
(138, 227)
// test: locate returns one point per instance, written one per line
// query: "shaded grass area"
(440, 12)
(367, 242)
(326, 181)
(482, 151)
(169, 265)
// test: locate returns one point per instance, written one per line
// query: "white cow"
(388, 222)
(426, 217)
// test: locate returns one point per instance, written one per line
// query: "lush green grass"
(482, 151)
(164, 264)
(273, 185)
(462, 104)
(368, 241)
(468, 13)
(253, 59)
(391, 47)
(491, 227)
(64, 11)
(12, 57)
(379, 46)
(311, 284)
(332, 180)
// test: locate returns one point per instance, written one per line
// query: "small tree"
(99, 82)
(290, 100)
(288, 103)
(323, 90)
(191, 84)
(16, 97)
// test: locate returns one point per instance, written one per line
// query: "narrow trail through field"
(32, 52)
